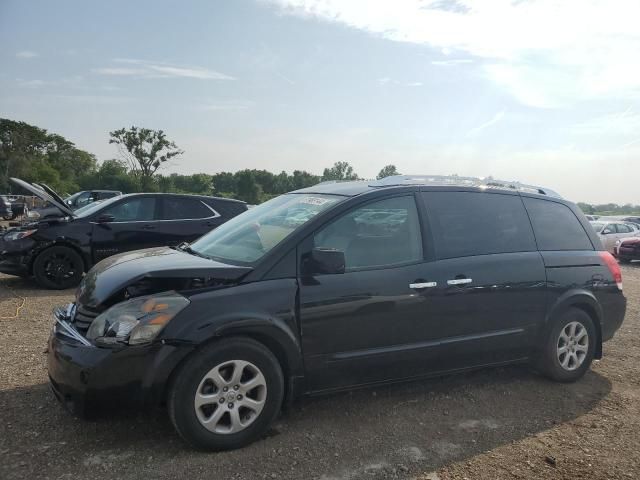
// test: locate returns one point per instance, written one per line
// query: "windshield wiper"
(185, 247)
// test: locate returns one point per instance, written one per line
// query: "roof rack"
(454, 180)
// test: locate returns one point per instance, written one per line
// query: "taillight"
(613, 267)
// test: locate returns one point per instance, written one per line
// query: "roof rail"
(455, 180)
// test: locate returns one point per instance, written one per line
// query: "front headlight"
(18, 234)
(136, 321)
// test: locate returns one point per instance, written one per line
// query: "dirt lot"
(501, 423)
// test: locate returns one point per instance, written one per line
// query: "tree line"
(609, 209)
(37, 156)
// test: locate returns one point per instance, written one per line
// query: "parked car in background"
(57, 250)
(6, 211)
(591, 218)
(611, 232)
(19, 207)
(627, 249)
(76, 201)
(332, 287)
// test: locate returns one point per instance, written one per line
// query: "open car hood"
(40, 192)
(143, 272)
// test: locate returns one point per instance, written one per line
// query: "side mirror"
(326, 260)
(105, 218)
(606, 231)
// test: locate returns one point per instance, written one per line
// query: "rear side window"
(179, 208)
(227, 209)
(467, 223)
(556, 226)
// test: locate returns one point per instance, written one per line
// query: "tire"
(624, 260)
(578, 348)
(58, 268)
(226, 357)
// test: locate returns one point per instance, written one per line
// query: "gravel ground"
(501, 423)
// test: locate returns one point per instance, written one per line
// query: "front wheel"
(570, 346)
(226, 395)
(58, 268)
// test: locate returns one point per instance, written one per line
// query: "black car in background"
(57, 251)
(332, 287)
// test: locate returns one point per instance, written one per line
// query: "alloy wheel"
(572, 345)
(230, 397)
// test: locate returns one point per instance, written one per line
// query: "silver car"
(611, 232)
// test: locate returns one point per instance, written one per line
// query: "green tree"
(248, 188)
(224, 182)
(586, 208)
(302, 179)
(339, 171)
(30, 153)
(111, 175)
(388, 171)
(20, 145)
(144, 150)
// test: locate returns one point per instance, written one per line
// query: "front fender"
(264, 311)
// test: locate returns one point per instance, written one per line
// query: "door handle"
(148, 227)
(459, 281)
(421, 285)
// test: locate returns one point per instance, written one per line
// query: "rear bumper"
(614, 311)
(89, 380)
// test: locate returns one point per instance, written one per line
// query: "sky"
(539, 91)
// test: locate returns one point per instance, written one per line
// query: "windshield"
(249, 236)
(87, 208)
(92, 207)
(597, 226)
(73, 197)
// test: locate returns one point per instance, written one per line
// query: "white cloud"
(26, 54)
(452, 62)
(147, 69)
(544, 52)
(613, 126)
(30, 83)
(390, 81)
(117, 71)
(495, 119)
(227, 105)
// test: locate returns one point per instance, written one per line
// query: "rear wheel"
(570, 346)
(58, 268)
(226, 395)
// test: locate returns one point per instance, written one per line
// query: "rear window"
(467, 223)
(556, 226)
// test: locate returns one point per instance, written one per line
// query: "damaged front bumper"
(89, 380)
(16, 256)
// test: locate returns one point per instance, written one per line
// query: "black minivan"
(332, 287)
(57, 250)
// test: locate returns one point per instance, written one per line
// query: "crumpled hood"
(163, 264)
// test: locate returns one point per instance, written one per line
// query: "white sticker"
(314, 200)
